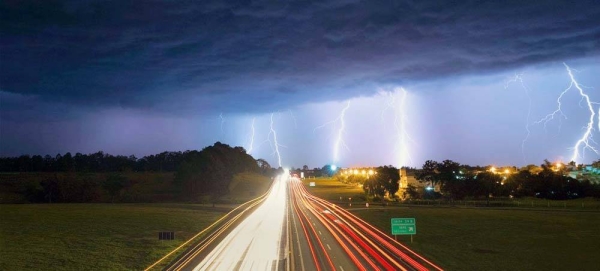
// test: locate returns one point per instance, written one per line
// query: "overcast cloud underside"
(149, 55)
(64, 60)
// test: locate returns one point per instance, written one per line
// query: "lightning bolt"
(222, 122)
(519, 78)
(339, 140)
(396, 101)
(389, 103)
(340, 132)
(403, 135)
(275, 143)
(558, 110)
(294, 118)
(252, 137)
(584, 142)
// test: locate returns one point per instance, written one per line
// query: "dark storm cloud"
(212, 56)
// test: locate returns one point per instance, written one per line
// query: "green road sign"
(404, 226)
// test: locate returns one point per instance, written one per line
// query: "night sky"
(470, 81)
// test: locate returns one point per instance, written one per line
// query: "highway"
(290, 229)
(256, 243)
(365, 247)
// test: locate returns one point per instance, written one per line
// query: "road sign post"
(404, 226)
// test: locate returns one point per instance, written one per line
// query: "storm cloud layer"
(140, 77)
(261, 56)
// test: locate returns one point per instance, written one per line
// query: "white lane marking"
(341, 268)
(320, 233)
(328, 247)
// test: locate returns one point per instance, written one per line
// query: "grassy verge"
(332, 190)
(95, 236)
(488, 238)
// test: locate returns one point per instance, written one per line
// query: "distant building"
(311, 173)
(407, 179)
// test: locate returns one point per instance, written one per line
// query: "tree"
(50, 189)
(384, 182)
(429, 173)
(489, 181)
(114, 184)
(264, 166)
(210, 171)
(328, 170)
(411, 192)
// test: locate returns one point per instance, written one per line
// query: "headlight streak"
(255, 242)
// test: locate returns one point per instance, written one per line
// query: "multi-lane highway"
(364, 247)
(290, 229)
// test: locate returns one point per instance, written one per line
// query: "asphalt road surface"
(294, 230)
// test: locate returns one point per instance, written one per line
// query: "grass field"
(459, 238)
(95, 236)
(332, 190)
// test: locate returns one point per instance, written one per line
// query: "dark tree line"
(94, 162)
(210, 171)
(186, 176)
(456, 181)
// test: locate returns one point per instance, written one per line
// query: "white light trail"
(519, 78)
(256, 243)
(340, 132)
(272, 131)
(250, 148)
